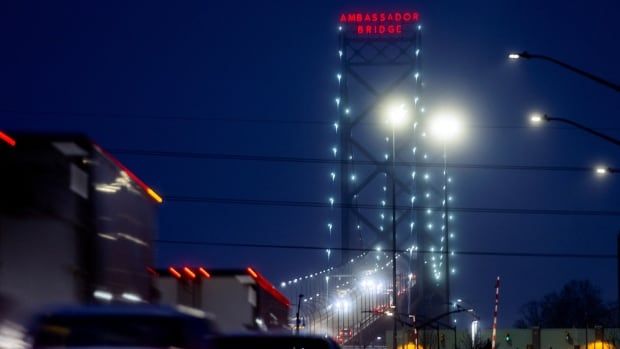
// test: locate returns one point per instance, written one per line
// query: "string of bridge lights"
(283, 284)
(332, 174)
(419, 107)
(340, 300)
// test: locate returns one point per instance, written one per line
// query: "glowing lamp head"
(537, 119)
(514, 56)
(601, 170)
(446, 127)
(397, 115)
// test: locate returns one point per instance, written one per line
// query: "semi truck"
(76, 225)
(237, 300)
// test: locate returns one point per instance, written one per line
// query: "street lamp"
(297, 319)
(327, 287)
(460, 304)
(446, 126)
(526, 55)
(397, 116)
(605, 170)
(601, 170)
(538, 119)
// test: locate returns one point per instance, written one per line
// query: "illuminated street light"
(605, 170)
(446, 127)
(526, 55)
(397, 116)
(601, 170)
(537, 119)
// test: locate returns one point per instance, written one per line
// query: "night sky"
(259, 79)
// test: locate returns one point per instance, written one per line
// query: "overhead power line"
(230, 119)
(323, 248)
(168, 117)
(307, 160)
(315, 204)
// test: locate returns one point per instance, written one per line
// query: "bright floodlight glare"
(397, 115)
(514, 56)
(601, 170)
(446, 127)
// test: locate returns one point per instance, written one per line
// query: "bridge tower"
(380, 65)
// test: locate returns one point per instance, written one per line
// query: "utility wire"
(312, 204)
(169, 117)
(225, 119)
(323, 248)
(307, 160)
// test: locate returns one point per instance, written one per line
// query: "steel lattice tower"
(376, 69)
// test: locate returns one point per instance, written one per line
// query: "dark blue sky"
(277, 61)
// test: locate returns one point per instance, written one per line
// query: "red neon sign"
(378, 23)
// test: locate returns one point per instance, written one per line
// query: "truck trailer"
(238, 300)
(76, 226)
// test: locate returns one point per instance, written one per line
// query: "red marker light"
(7, 139)
(252, 273)
(204, 272)
(154, 195)
(189, 272)
(267, 286)
(174, 272)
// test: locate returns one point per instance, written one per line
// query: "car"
(344, 335)
(119, 326)
(272, 341)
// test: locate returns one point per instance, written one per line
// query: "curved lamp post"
(537, 119)
(598, 79)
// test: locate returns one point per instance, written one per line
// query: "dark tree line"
(577, 304)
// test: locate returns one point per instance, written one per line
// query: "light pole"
(397, 116)
(598, 79)
(327, 287)
(446, 127)
(537, 119)
(297, 320)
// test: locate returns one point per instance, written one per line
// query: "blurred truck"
(76, 226)
(237, 300)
